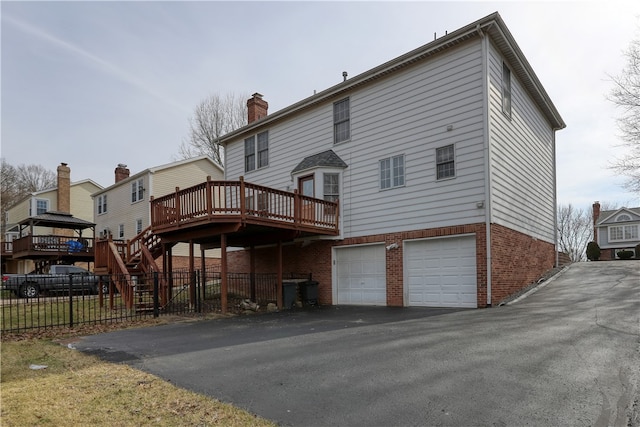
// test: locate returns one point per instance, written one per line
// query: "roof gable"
(609, 217)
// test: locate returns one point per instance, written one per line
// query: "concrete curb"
(539, 286)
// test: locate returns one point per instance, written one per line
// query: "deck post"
(279, 274)
(252, 272)
(192, 283)
(177, 219)
(209, 197)
(223, 273)
(297, 208)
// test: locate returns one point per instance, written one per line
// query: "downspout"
(555, 200)
(487, 156)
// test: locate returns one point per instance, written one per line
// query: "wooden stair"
(130, 266)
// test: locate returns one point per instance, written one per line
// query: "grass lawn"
(80, 390)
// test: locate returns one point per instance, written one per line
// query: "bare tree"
(575, 230)
(18, 181)
(626, 95)
(212, 118)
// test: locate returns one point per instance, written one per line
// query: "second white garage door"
(360, 273)
(441, 272)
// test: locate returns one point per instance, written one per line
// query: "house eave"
(491, 24)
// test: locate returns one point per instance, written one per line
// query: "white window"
(331, 186)
(506, 90)
(42, 206)
(392, 172)
(256, 144)
(341, 121)
(138, 226)
(623, 232)
(623, 217)
(137, 190)
(102, 204)
(121, 231)
(445, 162)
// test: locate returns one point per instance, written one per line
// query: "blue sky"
(94, 84)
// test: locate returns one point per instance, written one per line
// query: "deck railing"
(239, 199)
(52, 243)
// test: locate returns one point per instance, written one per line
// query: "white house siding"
(120, 210)
(522, 160)
(405, 113)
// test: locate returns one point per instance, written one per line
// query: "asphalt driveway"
(566, 355)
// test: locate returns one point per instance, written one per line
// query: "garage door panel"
(441, 272)
(361, 275)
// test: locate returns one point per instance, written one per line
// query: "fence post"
(198, 291)
(156, 305)
(71, 300)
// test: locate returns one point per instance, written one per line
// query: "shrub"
(624, 254)
(593, 251)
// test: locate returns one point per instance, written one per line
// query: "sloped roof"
(606, 216)
(491, 25)
(325, 159)
(57, 219)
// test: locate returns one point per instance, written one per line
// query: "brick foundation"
(518, 259)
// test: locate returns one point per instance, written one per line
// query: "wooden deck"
(246, 213)
(49, 247)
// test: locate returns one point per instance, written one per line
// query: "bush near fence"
(64, 309)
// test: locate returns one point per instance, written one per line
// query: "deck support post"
(252, 272)
(223, 273)
(279, 274)
(192, 282)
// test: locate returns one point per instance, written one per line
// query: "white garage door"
(441, 272)
(361, 275)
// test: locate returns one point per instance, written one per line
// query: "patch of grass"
(76, 389)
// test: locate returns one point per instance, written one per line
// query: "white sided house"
(616, 230)
(443, 164)
(122, 210)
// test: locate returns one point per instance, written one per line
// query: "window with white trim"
(623, 232)
(137, 190)
(341, 121)
(331, 185)
(392, 172)
(42, 206)
(506, 90)
(102, 204)
(445, 162)
(121, 231)
(256, 151)
(623, 217)
(138, 226)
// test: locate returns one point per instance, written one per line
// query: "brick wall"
(517, 260)
(182, 262)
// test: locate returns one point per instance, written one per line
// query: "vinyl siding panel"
(81, 202)
(406, 113)
(522, 160)
(166, 180)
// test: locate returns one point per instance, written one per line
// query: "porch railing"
(239, 199)
(52, 243)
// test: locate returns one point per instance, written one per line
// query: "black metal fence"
(80, 302)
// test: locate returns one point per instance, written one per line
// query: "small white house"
(616, 230)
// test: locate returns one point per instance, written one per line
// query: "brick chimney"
(122, 172)
(256, 108)
(596, 215)
(64, 188)
(64, 196)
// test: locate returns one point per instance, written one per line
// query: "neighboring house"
(68, 197)
(615, 230)
(443, 163)
(121, 211)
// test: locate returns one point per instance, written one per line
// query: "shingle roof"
(57, 219)
(325, 159)
(605, 215)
